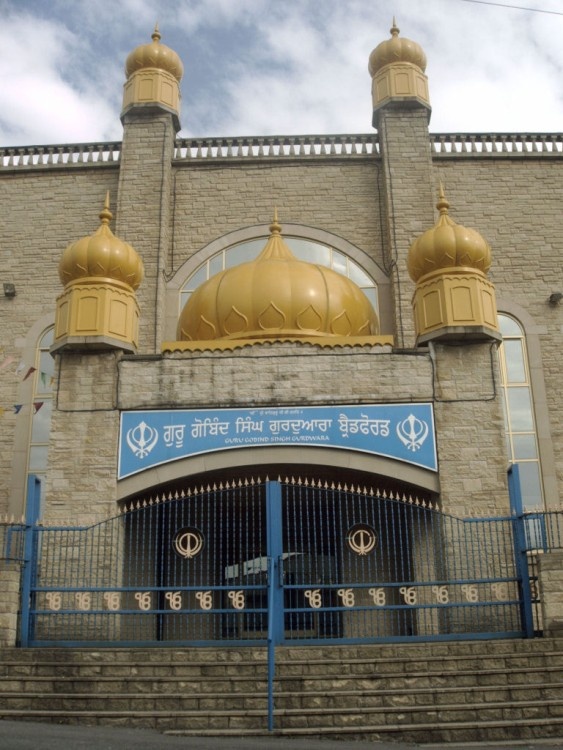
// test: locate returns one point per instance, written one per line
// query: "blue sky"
(275, 66)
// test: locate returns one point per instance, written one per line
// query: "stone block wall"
(9, 602)
(550, 573)
(83, 451)
(515, 203)
(48, 209)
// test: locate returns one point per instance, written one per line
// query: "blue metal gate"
(278, 562)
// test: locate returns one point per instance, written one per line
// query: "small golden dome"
(154, 55)
(277, 296)
(448, 245)
(102, 255)
(396, 50)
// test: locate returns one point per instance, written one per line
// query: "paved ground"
(20, 735)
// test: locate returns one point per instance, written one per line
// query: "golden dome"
(396, 50)
(102, 255)
(154, 55)
(448, 245)
(277, 296)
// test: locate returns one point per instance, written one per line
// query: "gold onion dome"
(102, 256)
(447, 246)
(396, 50)
(154, 55)
(277, 296)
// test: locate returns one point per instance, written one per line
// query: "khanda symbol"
(412, 432)
(142, 439)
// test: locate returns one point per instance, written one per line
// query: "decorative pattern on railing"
(493, 144)
(64, 155)
(277, 147)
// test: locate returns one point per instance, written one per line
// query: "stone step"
(375, 667)
(287, 704)
(409, 692)
(163, 690)
(453, 731)
(505, 714)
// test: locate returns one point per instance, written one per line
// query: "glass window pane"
(38, 458)
(530, 485)
(520, 410)
(357, 275)
(216, 264)
(514, 357)
(339, 262)
(47, 339)
(244, 252)
(41, 424)
(371, 294)
(524, 447)
(197, 278)
(508, 326)
(45, 374)
(312, 252)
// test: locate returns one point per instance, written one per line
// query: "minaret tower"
(401, 111)
(151, 120)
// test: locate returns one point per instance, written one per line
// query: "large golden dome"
(396, 50)
(154, 55)
(102, 255)
(448, 245)
(277, 296)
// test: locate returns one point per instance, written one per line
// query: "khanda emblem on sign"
(412, 432)
(142, 439)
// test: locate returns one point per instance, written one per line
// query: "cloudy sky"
(276, 66)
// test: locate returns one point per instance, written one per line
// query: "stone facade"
(368, 196)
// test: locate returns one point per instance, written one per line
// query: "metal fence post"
(521, 549)
(29, 556)
(275, 589)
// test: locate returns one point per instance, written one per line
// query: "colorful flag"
(29, 372)
(37, 405)
(17, 408)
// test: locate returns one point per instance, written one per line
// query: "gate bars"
(268, 563)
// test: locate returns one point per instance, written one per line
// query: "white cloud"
(264, 66)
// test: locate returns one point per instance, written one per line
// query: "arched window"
(41, 409)
(308, 250)
(521, 436)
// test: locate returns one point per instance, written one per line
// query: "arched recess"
(301, 231)
(332, 464)
(532, 332)
(23, 427)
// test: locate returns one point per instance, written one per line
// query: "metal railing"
(285, 147)
(64, 155)
(278, 147)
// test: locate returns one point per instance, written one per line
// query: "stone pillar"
(143, 209)
(407, 197)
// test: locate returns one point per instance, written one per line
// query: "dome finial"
(106, 215)
(394, 28)
(442, 204)
(156, 36)
(275, 226)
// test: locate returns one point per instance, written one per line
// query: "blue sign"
(404, 432)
